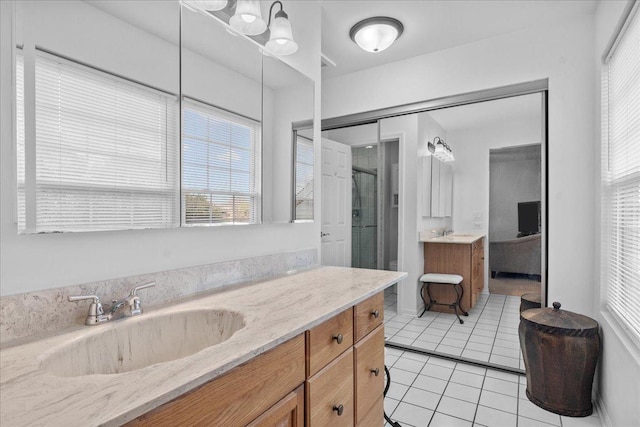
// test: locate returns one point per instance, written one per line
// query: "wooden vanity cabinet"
(321, 378)
(239, 396)
(289, 412)
(348, 380)
(465, 259)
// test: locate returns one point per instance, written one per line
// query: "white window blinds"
(621, 179)
(304, 178)
(106, 151)
(221, 166)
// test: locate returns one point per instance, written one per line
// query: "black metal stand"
(455, 305)
(384, 394)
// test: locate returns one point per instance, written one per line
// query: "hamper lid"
(559, 322)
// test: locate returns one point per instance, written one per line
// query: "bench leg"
(427, 305)
(457, 305)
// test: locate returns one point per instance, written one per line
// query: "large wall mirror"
(102, 87)
(97, 103)
(493, 213)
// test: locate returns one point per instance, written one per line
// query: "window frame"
(254, 175)
(26, 168)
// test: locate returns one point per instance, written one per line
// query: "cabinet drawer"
(369, 361)
(330, 389)
(368, 315)
(375, 416)
(238, 396)
(328, 340)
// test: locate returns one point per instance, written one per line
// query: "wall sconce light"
(211, 5)
(245, 17)
(440, 150)
(377, 33)
(248, 18)
(281, 39)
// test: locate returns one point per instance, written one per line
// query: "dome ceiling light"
(377, 33)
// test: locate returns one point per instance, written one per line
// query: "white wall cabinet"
(437, 188)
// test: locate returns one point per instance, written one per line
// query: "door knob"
(324, 234)
(339, 409)
(338, 338)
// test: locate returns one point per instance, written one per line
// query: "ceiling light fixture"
(281, 38)
(377, 33)
(440, 150)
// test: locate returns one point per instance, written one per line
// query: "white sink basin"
(143, 341)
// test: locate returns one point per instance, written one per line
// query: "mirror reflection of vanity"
(168, 119)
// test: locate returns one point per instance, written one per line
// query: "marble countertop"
(275, 310)
(465, 239)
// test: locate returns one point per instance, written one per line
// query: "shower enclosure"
(364, 229)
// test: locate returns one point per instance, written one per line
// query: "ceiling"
(432, 25)
(477, 115)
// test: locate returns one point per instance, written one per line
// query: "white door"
(336, 204)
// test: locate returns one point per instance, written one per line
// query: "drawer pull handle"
(339, 409)
(339, 339)
(375, 314)
(376, 371)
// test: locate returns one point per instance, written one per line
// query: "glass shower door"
(364, 229)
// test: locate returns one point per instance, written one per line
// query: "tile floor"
(431, 391)
(489, 334)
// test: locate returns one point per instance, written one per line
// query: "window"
(105, 151)
(303, 186)
(221, 177)
(621, 178)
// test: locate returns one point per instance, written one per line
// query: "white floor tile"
(412, 415)
(436, 371)
(422, 398)
(463, 392)
(390, 405)
(507, 352)
(432, 384)
(500, 386)
(473, 369)
(453, 342)
(402, 377)
(407, 334)
(590, 421)
(457, 408)
(410, 365)
(450, 350)
(467, 378)
(499, 401)
(425, 345)
(485, 348)
(476, 355)
(414, 328)
(481, 339)
(529, 410)
(442, 420)
(401, 340)
(493, 373)
(442, 362)
(416, 356)
(495, 418)
(396, 391)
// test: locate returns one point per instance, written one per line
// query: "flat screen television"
(528, 218)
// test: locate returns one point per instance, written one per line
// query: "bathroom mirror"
(91, 78)
(222, 144)
(498, 168)
(287, 110)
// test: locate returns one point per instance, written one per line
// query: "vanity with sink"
(261, 354)
(461, 254)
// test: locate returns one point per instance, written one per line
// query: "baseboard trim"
(601, 409)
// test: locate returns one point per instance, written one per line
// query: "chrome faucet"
(97, 314)
(446, 232)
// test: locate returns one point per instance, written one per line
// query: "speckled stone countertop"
(274, 310)
(464, 239)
